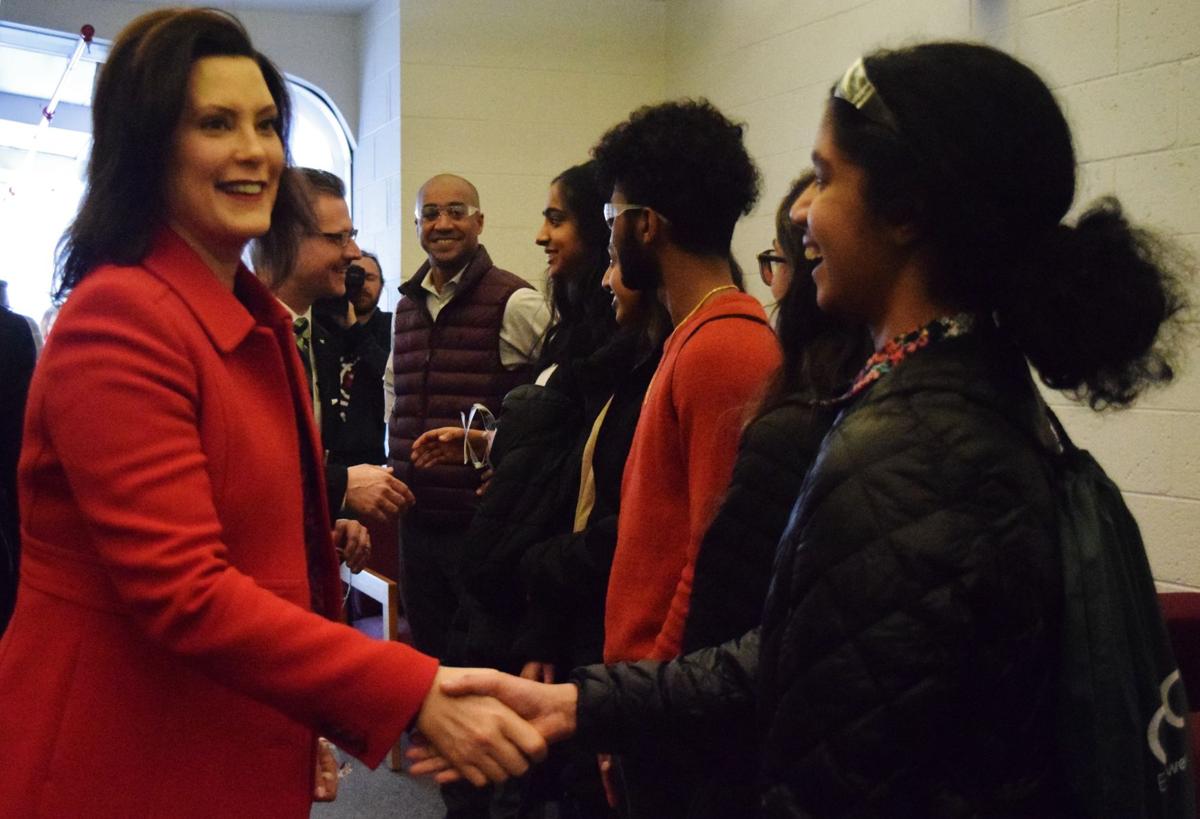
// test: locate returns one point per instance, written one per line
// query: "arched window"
(42, 166)
(319, 138)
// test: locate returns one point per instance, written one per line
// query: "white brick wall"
(1128, 75)
(377, 214)
(510, 94)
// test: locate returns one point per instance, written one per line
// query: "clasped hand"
(485, 725)
(372, 492)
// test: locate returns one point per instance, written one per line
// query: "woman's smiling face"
(559, 235)
(858, 258)
(223, 173)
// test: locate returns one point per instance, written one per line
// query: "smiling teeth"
(811, 253)
(244, 187)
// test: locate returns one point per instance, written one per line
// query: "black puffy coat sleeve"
(567, 577)
(909, 635)
(700, 699)
(526, 496)
(733, 566)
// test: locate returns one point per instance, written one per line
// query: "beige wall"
(1128, 73)
(377, 191)
(509, 94)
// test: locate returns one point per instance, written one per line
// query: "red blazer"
(163, 659)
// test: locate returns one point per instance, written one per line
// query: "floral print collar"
(902, 346)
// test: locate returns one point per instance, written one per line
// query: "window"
(42, 165)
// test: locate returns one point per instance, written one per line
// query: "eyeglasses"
(770, 264)
(486, 425)
(341, 238)
(612, 211)
(456, 212)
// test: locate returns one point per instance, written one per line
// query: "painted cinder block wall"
(377, 211)
(1128, 74)
(509, 94)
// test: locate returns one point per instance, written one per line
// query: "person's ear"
(651, 226)
(902, 222)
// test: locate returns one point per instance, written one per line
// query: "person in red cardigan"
(175, 648)
(680, 178)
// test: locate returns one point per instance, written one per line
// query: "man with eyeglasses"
(680, 178)
(466, 332)
(367, 491)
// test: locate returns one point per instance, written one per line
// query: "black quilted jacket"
(733, 566)
(906, 663)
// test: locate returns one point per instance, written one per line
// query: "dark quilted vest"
(442, 368)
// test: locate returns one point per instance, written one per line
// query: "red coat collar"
(227, 318)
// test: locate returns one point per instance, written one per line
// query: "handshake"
(485, 726)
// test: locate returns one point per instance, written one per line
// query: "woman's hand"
(325, 777)
(352, 542)
(549, 708)
(480, 737)
(485, 480)
(538, 671)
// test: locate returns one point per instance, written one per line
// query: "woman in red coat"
(174, 650)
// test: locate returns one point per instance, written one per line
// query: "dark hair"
(688, 162)
(323, 183)
(581, 316)
(980, 160)
(736, 274)
(373, 257)
(821, 352)
(274, 254)
(139, 100)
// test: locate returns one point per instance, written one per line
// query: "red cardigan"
(710, 376)
(163, 659)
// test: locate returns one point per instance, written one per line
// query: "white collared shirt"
(314, 396)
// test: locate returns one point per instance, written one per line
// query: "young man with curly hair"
(680, 178)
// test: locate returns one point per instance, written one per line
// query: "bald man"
(466, 332)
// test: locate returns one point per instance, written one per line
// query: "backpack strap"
(1056, 435)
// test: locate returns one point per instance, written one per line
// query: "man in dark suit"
(363, 490)
(17, 357)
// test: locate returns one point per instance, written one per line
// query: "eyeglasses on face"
(612, 211)
(456, 211)
(770, 264)
(341, 238)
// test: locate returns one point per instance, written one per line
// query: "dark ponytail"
(1089, 307)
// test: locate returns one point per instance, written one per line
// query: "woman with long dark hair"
(175, 648)
(538, 552)
(576, 245)
(907, 663)
(528, 499)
